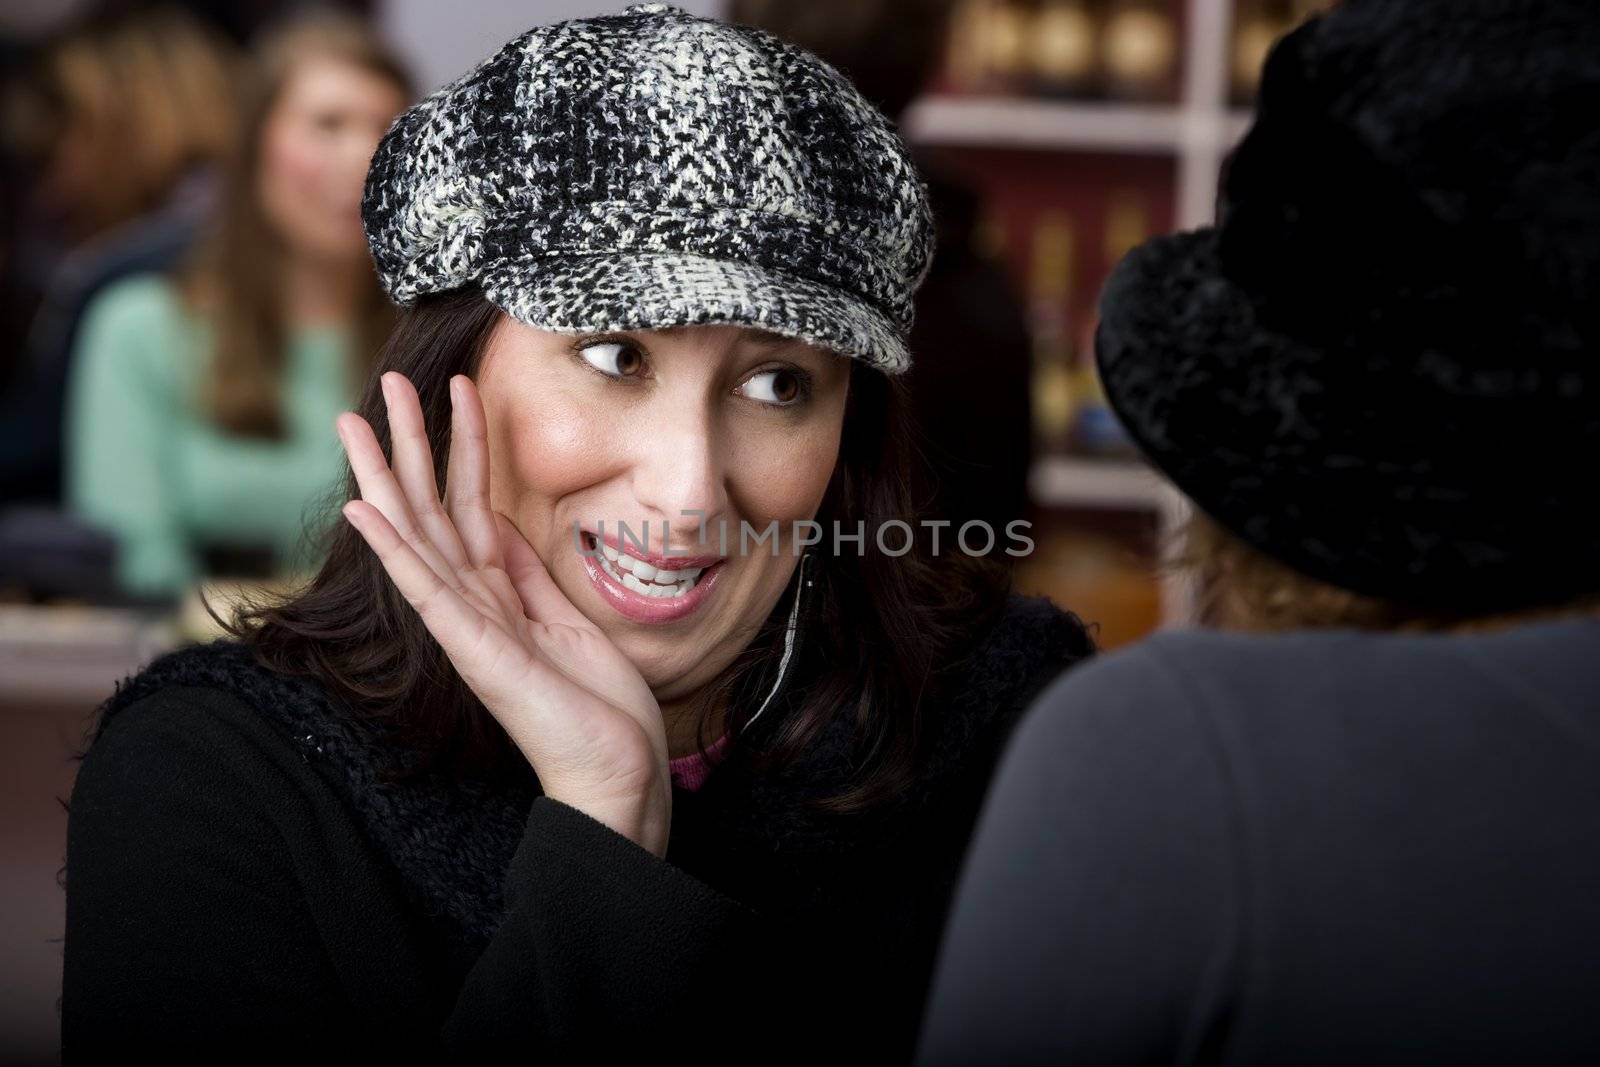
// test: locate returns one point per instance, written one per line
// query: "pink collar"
(690, 772)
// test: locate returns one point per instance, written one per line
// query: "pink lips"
(672, 563)
(649, 609)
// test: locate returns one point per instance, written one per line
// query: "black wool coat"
(239, 876)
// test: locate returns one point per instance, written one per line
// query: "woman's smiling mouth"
(646, 587)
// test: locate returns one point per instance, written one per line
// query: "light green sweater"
(145, 464)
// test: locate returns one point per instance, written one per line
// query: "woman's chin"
(660, 667)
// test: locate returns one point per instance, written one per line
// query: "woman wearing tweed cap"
(505, 774)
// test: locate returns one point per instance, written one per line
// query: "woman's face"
(316, 145)
(663, 426)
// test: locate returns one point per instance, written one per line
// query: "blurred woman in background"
(201, 411)
(123, 122)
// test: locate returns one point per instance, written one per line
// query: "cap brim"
(652, 290)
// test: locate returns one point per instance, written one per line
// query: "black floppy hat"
(1379, 366)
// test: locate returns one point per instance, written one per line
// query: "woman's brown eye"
(778, 387)
(613, 358)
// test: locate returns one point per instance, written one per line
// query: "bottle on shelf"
(966, 53)
(987, 48)
(1257, 25)
(1049, 299)
(1127, 224)
(1064, 46)
(1139, 51)
(1007, 37)
(1095, 429)
(1095, 432)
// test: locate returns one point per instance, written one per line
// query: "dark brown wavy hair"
(883, 636)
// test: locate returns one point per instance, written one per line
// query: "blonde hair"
(234, 281)
(1240, 588)
(151, 94)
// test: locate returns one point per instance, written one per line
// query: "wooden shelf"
(1121, 485)
(69, 654)
(1055, 125)
(1007, 122)
(1110, 484)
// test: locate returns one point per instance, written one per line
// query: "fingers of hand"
(467, 483)
(541, 598)
(467, 496)
(460, 626)
(413, 467)
(497, 658)
(381, 487)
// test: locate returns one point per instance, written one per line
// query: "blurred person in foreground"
(125, 119)
(976, 428)
(200, 416)
(1362, 827)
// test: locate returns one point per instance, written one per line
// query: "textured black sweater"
(238, 871)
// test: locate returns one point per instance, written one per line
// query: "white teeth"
(678, 576)
(651, 589)
(636, 575)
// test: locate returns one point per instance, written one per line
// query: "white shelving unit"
(1044, 124)
(1197, 132)
(1065, 125)
(1109, 484)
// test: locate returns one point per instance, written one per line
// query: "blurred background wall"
(442, 40)
(1055, 135)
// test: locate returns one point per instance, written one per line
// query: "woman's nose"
(680, 475)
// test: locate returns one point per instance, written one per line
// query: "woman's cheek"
(552, 446)
(787, 482)
(293, 184)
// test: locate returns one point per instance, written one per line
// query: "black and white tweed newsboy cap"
(656, 169)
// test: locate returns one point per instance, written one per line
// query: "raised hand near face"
(571, 702)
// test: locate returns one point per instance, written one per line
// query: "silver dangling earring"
(803, 578)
